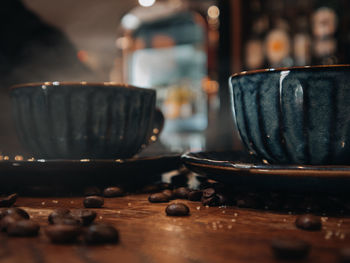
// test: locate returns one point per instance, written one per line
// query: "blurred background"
(185, 49)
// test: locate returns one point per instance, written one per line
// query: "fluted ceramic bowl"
(298, 115)
(83, 120)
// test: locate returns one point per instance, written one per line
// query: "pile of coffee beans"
(210, 195)
(94, 195)
(67, 226)
(16, 222)
(61, 233)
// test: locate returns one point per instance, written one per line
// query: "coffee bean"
(92, 190)
(101, 234)
(23, 228)
(67, 220)
(113, 191)
(8, 200)
(308, 222)
(290, 248)
(158, 198)
(181, 192)
(208, 192)
(168, 193)
(86, 217)
(15, 211)
(62, 233)
(58, 213)
(93, 201)
(195, 195)
(177, 209)
(344, 255)
(7, 220)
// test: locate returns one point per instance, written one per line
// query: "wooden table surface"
(209, 234)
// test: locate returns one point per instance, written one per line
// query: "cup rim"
(78, 83)
(267, 70)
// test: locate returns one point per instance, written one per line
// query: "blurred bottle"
(280, 33)
(167, 52)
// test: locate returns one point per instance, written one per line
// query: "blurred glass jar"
(165, 49)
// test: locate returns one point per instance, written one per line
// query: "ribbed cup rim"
(266, 70)
(77, 83)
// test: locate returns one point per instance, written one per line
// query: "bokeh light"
(147, 3)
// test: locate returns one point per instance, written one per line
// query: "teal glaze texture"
(294, 115)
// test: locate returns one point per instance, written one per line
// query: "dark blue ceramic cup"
(298, 115)
(61, 120)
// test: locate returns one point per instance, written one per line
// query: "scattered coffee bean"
(58, 214)
(16, 211)
(290, 248)
(92, 190)
(344, 255)
(23, 228)
(93, 201)
(158, 198)
(101, 234)
(181, 192)
(168, 193)
(62, 233)
(195, 195)
(308, 222)
(8, 220)
(208, 192)
(67, 220)
(177, 209)
(86, 217)
(113, 191)
(8, 200)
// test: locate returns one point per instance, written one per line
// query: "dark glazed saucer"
(71, 176)
(246, 171)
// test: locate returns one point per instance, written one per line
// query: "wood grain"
(209, 234)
